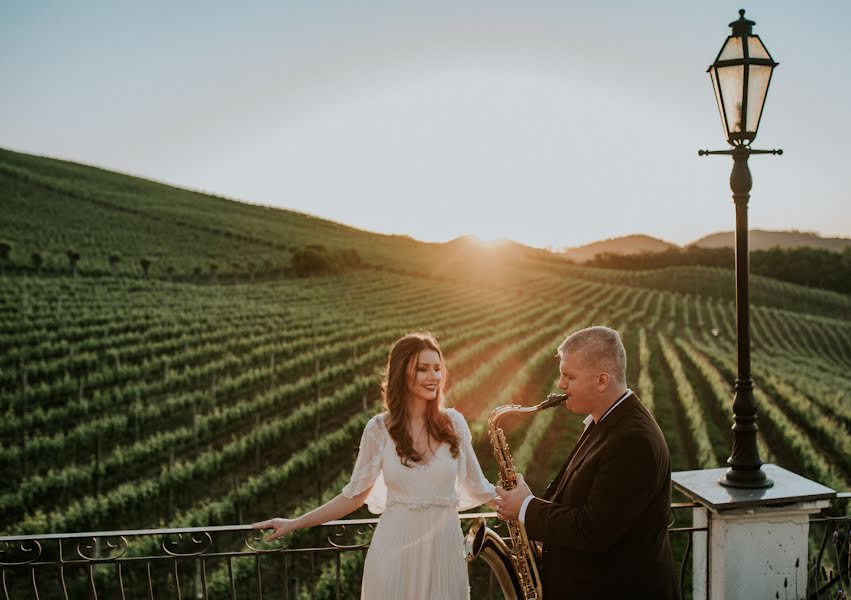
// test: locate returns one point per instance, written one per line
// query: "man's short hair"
(599, 347)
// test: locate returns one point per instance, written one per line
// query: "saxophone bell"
(483, 542)
(516, 566)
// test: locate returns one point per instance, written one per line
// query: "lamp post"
(740, 75)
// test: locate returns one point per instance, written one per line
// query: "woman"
(416, 465)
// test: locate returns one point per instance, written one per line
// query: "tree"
(5, 252)
(73, 259)
(312, 260)
(349, 257)
(114, 259)
(38, 262)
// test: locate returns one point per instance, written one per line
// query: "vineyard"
(140, 400)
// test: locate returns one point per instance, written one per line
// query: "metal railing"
(829, 570)
(215, 562)
(688, 531)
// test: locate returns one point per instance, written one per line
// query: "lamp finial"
(742, 26)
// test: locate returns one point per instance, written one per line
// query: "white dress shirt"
(587, 422)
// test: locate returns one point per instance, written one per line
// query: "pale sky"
(551, 123)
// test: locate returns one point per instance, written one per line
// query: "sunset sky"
(551, 123)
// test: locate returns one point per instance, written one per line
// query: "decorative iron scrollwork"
(25, 547)
(254, 540)
(102, 548)
(176, 540)
(343, 530)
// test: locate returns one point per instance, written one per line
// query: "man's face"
(578, 381)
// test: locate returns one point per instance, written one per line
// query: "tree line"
(812, 267)
(312, 259)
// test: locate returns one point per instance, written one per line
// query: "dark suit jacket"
(604, 520)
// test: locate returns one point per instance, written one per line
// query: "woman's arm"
(336, 508)
(473, 488)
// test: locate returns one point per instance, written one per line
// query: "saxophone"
(515, 567)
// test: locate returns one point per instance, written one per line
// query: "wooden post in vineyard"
(256, 442)
(24, 394)
(170, 483)
(194, 422)
(318, 477)
(134, 413)
(239, 518)
(98, 481)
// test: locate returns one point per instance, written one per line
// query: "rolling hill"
(630, 244)
(758, 240)
(763, 240)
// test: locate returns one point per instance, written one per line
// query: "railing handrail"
(218, 528)
(176, 530)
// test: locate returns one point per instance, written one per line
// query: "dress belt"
(420, 503)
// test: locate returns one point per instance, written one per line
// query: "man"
(603, 520)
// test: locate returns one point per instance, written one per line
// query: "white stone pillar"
(755, 537)
(700, 554)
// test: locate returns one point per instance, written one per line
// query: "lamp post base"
(754, 539)
(746, 479)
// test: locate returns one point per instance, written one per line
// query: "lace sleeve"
(367, 472)
(471, 487)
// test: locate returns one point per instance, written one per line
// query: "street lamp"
(740, 76)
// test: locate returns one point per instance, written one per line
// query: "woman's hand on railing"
(281, 526)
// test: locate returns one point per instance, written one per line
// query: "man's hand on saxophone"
(508, 502)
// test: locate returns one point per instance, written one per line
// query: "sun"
(490, 242)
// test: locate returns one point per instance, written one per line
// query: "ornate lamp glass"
(740, 75)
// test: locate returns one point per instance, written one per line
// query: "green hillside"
(52, 207)
(185, 399)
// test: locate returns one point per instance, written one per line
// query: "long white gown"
(417, 549)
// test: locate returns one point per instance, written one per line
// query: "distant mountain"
(759, 240)
(763, 240)
(629, 244)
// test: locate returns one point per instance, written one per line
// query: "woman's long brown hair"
(401, 362)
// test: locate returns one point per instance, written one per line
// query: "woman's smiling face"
(425, 375)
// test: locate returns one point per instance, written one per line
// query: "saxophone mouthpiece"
(552, 400)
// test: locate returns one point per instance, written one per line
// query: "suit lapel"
(555, 484)
(596, 436)
(551, 488)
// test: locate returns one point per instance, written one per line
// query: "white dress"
(417, 549)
